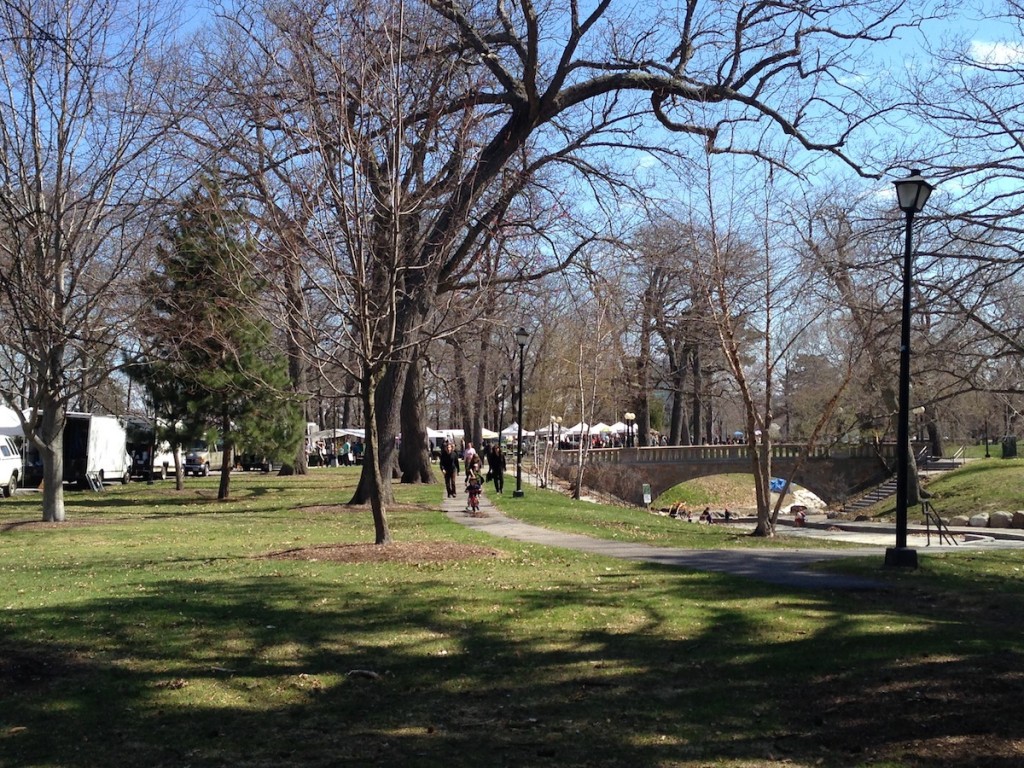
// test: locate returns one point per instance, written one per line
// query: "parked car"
(10, 466)
(201, 458)
(255, 461)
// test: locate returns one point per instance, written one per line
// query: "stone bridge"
(833, 473)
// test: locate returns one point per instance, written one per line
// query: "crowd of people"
(449, 461)
(345, 453)
(679, 511)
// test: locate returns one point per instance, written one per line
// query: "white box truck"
(141, 442)
(95, 448)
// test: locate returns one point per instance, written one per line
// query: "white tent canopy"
(600, 428)
(578, 429)
(547, 430)
(334, 434)
(10, 424)
(512, 430)
(618, 428)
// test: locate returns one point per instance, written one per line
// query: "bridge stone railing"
(734, 452)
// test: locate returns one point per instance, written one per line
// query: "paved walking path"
(785, 567)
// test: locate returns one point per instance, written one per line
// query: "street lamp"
(630, 417)
(912, 194)
(918, 421)
(556, 430)
(501, 407)
(987, 454)
(522, 336)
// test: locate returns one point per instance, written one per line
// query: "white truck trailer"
(95, 451)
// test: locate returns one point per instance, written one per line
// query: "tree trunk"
(679, 434)
(761, 455)
(387, 400)
(709, 420)
(642, 426)
(480, 398)
(413, 455)
(936, 446)
(224, 490)
(378, 485)
(296, 311)
(696, 410)
(179, 469)
(51, 451)
(463, 404)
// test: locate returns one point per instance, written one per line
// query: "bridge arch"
(832, 474)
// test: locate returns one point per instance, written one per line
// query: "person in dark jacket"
(449, 462)
(496, 467)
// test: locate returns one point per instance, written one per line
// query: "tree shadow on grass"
(315, 665)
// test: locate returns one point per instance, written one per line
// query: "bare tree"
(81, 133)
(414, 132)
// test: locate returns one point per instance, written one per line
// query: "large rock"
(959, 520)
(1018, 519)
(1000, 520)
(980, 520)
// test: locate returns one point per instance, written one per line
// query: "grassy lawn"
(557, 510)
(160, 628)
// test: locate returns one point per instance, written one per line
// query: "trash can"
(1009, 447)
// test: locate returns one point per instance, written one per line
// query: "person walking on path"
(496, 467)
(449, 462)
(469, 456)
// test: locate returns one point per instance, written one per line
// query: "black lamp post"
(501, 408)
(522, 336)
(630, 417)
(555, 430)
(987, 454)
(912, 194)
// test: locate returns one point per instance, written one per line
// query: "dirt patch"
(347, 509)
(34, 525)
(406, 552)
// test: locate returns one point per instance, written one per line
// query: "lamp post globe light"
(629, 417)
(912, 193)
(522, 336)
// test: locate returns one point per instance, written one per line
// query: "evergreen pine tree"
(213, 360)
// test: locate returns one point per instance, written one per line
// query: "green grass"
(556, 510)
(152, 629)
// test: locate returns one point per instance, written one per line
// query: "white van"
(201, 458)
(10, 466)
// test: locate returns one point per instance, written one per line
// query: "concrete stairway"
(875, 495)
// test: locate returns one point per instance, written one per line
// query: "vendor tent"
(600, 429)
(10, 424)
(578, 429)
(334, 434)
(547, 430)
(512, 430)
(617, 428)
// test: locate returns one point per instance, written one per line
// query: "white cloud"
(996, 53)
